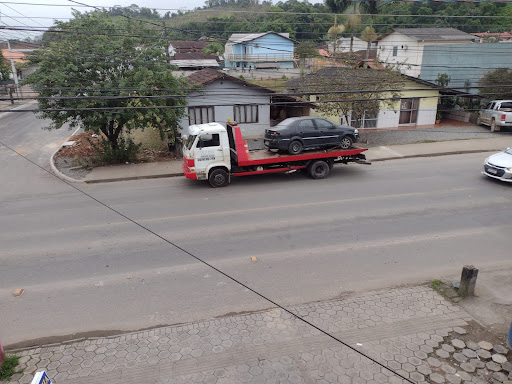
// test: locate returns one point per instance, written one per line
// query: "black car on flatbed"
(298, 133)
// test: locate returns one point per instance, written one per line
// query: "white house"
(404, 46)
(347, 44)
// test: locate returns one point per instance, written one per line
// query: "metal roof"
(238, 38)
(435, 34)
(195, 63)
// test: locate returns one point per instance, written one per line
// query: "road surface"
(85, 268)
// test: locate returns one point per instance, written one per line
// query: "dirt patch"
(83, 149)
(78, 160)
(87, 144)
(477, 333)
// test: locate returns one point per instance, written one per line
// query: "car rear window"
(284, 124)
(506, 106)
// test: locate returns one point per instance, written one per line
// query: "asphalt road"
(86, 268)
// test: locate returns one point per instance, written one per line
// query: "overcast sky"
(14, 13)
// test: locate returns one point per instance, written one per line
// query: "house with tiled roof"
(18, 54)
(216, 97)
(188, 55)
(269, 50)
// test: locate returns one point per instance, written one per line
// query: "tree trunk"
(112, 133)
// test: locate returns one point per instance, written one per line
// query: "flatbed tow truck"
(214, 153)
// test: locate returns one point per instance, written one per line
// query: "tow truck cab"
(206, 147)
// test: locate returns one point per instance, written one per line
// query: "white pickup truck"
(496, 114)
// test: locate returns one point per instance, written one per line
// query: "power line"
(218, 270)
(23, 16)
(213, 10)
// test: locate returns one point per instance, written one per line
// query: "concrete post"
(509, 339)
(2, 356)
(468, 280)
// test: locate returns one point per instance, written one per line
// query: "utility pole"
(164, 35)
(367, 54)
(14, 72)
(175, 142)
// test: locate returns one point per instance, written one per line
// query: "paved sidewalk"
(173, 168)
(404, 329)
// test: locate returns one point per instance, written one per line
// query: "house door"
(408, 111)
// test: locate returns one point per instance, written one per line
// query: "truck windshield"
(190, 141)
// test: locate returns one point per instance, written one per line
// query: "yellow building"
(409, 102)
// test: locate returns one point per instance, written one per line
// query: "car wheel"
(478, 121)
(318, 169)
(493, 125)
(346, 142)
(218, 178)
(295, 147)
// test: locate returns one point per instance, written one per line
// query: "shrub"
(125, 152)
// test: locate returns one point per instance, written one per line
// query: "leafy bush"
(125, 152)
(9, 367)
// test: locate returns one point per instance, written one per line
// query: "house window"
(200, 115)
(245, 113)
(395, 50)
(409, 111)
(368, 120)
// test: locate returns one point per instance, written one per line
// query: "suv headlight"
(356, 131)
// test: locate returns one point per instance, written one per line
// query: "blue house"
(269, 50)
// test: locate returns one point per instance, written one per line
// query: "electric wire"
(218, 270)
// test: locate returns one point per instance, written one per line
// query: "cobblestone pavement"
(405, 329)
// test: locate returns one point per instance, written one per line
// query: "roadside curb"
(166, 175)
(436, 154)
(111, 180)
(58, 173)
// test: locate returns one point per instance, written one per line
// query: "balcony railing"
(261, 57)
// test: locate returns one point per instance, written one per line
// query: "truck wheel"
(493, 125)
(346, 142)
(218, 178)
(319, 169)
(295, 147)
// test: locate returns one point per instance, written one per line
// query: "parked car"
(499, 166)
(496, 114)
(298, 133)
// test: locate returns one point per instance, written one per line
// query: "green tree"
(497, 84)
(337, 6)
(213, 48)
(443, 79)
(84, 71)
(5, 69)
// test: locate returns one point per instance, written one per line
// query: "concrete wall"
(409, 52)
(224, 95)
(463, 62)
(262, 74)
(343, 45)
